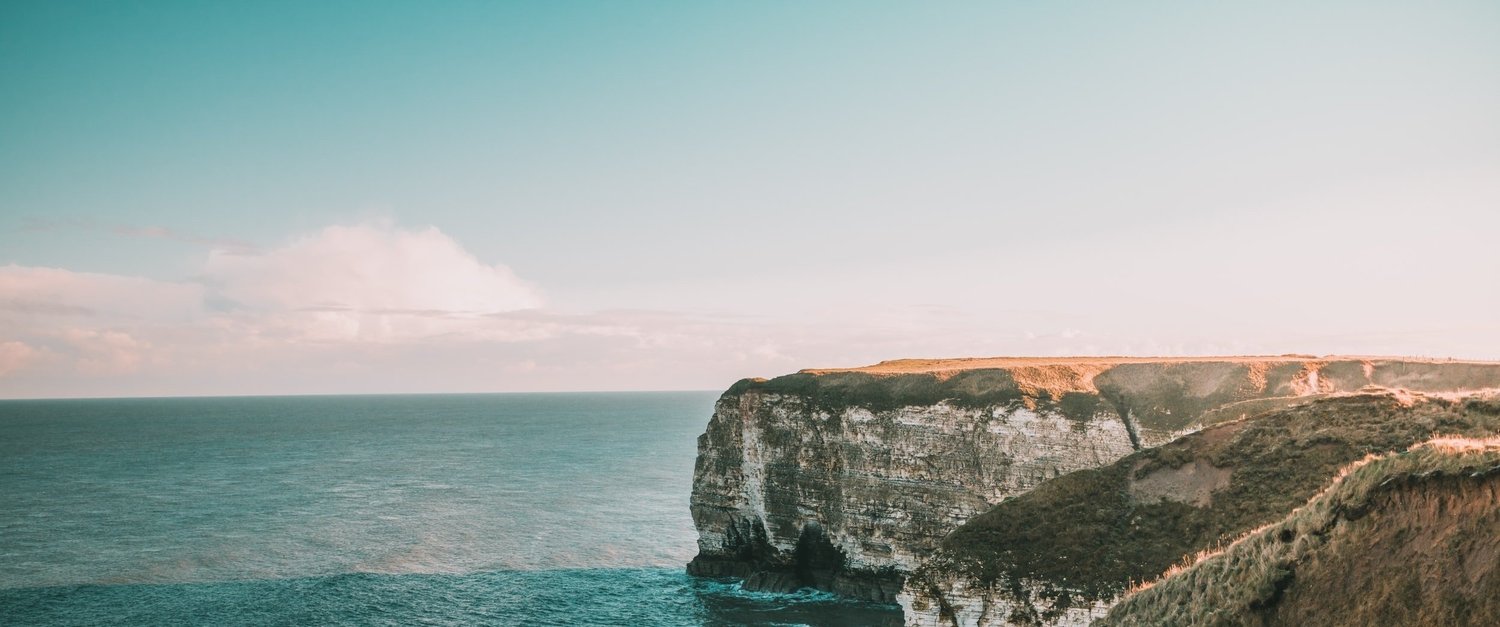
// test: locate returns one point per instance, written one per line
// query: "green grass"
(835, 392)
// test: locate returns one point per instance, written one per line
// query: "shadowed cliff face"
(846, 480)
(1064, 552)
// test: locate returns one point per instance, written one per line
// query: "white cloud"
(368, 282)
(371, 282)
(106, 352)
(14, 356)
(65, 296)
(342, 285)
(370, 268)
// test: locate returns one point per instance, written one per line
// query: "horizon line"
(332, 394)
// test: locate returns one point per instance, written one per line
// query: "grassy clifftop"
(1159, 395)
(1088, 535)
(1410, 538)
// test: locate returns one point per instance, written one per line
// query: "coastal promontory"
(849, 480)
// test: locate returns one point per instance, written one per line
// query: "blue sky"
(676, 195)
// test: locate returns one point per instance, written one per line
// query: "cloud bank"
(323, 292)
(366, 282)
(377, 307)
(362, 308)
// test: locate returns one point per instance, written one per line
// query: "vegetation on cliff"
(1410, 538)
(1089, 535)
(879, 392)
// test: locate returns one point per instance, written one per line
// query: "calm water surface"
(514, 509)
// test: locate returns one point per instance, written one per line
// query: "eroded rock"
(882, 462)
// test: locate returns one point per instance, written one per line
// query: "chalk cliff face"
(846, 480)
(791, 494)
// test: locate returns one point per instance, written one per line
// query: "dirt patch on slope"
(1194, 483)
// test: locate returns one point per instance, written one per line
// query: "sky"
(360, 197)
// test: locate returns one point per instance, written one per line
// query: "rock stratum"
(849, 480)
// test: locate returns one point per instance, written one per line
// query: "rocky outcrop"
(1064, 552)
(1411, 538)
(846, 480)
(790, 494)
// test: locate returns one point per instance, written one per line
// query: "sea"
(486, 509)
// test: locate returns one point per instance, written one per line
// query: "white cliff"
(847, 480)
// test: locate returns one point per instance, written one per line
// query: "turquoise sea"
(503, 509)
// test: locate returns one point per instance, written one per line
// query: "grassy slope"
(1410, 538)
(1084, 534)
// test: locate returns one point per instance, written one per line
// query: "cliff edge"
(846, 479)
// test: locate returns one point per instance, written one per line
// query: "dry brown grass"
(1405, 538)
(1454, 444)
(953, 365)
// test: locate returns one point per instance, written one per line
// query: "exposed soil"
(1193, 483)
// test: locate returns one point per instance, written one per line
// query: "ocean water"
(506, 509)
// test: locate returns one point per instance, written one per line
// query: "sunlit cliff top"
(912, 366)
